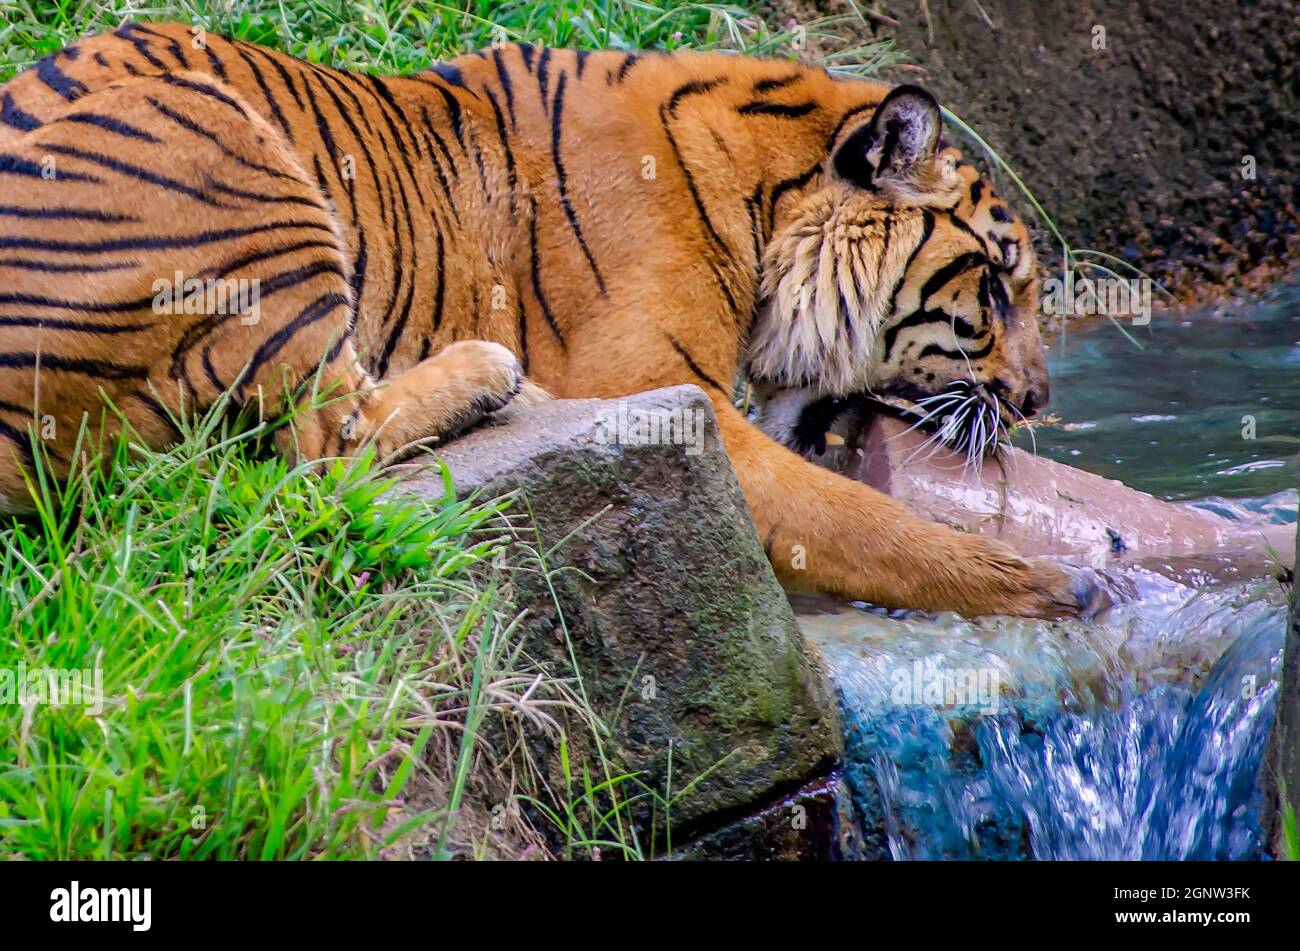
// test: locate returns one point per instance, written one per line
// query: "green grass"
(282, 650)
(398, 36)
(295, 662)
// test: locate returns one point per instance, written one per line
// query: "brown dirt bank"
(1136, 149)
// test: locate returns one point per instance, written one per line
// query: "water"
(1172, 418)
(1139, 735)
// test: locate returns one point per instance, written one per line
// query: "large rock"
(680, 631)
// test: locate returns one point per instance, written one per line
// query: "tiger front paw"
(487, 377)
(443, 395)
(1002, 582)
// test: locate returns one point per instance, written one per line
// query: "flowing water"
(1139, 734)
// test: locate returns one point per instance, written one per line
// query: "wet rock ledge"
(1286, 736)
(679, 628)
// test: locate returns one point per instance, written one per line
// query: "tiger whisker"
(1033, 440)
(933, 414)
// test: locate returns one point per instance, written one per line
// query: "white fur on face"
(827, 282)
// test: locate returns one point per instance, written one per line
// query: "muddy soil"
(1136, 125)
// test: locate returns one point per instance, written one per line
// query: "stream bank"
(1171, 146)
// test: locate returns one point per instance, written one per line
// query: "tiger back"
(601, 222)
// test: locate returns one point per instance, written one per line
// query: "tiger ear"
(895, 151)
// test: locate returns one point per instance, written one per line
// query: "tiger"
(519, 220)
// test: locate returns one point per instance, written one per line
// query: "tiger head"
(900, 279)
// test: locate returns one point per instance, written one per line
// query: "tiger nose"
(1034, 401)
(1034, 397)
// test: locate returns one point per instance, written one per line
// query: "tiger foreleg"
(827, 534)
(441, 397)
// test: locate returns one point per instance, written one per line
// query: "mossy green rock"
(682, 634)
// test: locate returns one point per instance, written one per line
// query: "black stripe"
(582, 61)
(318, 309)
(233, 192)
(799, 181)
(158, 410)
(453, 114)
(109, 124)
(286, 280)
(442, 281)
(205, 89)
(79, 326)
(768, 85)
(543, 69)
(49, 361)
(23, 441)
(844, 120)
(59, 81)
(126, 32)
(394, 335)
(522, 323)
(198, 331)
(65, 214)
(158, 243)
(388, 108)
(777, 109)
(136, 172)
(214, 61)
(211, 372)
(327, 139)
(695, 367)
(669, 110)
(696, 87)
(755, 204)
(478, 162)
(449, 73)
(536, 269)
(557, 119)
(438, 169)
(526, 51)
(285, 78)
(271, 101)
(212, 137)
(13, 165)
(229, 267)
(358, 280)
(58, 303)
(506, 86)
(511, 175)
(626, 66)
(321, 183)
(26, 264)
(15, 118)
(441, 143)
(927, 230)
(178, 54)
(919, 318)
(950, 271)
(961, 356)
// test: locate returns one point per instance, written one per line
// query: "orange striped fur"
(604, 223)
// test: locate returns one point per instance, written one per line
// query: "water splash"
(1136, 736)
